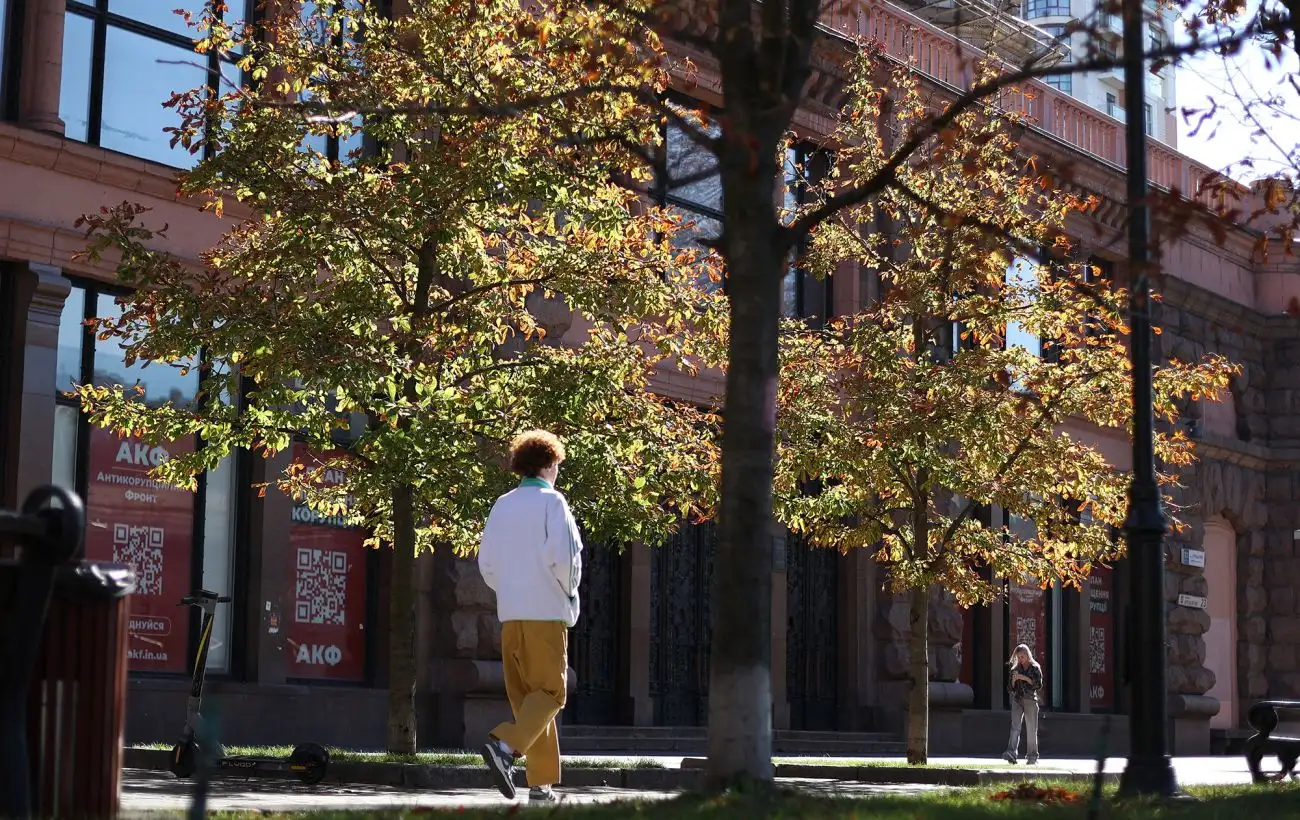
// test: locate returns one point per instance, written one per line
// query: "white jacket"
(531, 555)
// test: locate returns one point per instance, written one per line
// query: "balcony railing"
(947, 60)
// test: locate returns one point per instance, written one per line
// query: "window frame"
(817, 162)
(344, 439)
(1063, 81)
(12, 14)
(334, 144)
(660, 193)
(236, 658)
(1059, 641)
(1038, 258)
(101, 19)
(1038, 9)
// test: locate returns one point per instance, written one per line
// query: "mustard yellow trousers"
(536, 656)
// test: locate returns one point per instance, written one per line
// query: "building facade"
(300, 654)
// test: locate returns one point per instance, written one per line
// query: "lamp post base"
(1149, 776)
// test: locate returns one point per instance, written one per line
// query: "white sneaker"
(542, 795)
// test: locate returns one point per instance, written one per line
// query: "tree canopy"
(953, 391)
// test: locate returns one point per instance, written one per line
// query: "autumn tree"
(764, 57)
(952, 391)
(422, 272)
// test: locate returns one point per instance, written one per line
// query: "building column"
(635, 634)
(267, 612)
(42, 74)
(38, 292)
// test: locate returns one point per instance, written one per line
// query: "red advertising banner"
(1101, 639)
(325, 629)
(134, 520)
(1028, 622)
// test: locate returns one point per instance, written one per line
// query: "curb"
(921, 776)
(422, 776)
(689, 776)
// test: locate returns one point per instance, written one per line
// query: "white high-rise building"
(1021, 29)
(1104, 91)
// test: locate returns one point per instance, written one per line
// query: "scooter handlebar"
(200, 595)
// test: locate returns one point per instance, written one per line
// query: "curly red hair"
(534, 451)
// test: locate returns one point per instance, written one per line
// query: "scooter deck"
(273, 764)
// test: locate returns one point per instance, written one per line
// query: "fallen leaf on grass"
(1029, 793)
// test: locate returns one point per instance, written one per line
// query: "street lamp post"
(1149, 771)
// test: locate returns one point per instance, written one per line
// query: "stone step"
(567, 731)
(693, 740)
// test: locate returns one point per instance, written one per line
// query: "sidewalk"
(146, 792)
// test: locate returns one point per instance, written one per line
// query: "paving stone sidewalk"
(147, 793)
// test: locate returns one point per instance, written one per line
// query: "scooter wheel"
(309, 761)
(185, 759)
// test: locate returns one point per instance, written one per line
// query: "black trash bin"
(47, 533)
(78, 694)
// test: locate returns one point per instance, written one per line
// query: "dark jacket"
(1020, 689)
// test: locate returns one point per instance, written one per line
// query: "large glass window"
(122, 59)
(132, 519)
(330, 567)
(1022, 277)
(1027, 620)
(4, 56)
(1063, 81)
(1101, 640)
(691, 185)
(336, 149)
(1035, 9)
(803, 295)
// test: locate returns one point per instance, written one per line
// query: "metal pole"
(1149, 771)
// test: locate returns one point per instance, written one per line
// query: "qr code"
(141, 548)
(320, 586)
(1027, 632)
(1096, 650)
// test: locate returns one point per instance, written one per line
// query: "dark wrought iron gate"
(594, 645)
(681, 581)
(812, 636)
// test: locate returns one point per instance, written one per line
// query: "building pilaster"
(42, 68)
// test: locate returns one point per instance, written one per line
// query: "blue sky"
(1231, 135)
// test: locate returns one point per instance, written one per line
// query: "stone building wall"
(1248, 478)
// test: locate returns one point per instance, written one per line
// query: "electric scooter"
(307, 762)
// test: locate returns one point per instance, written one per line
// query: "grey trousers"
(1026, 710)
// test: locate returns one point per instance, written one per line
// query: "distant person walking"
(1024, 680)
(531, 557)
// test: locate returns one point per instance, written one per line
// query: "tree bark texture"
(740, 682)
(918, 699)
(401, 613)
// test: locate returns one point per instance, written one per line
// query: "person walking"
(531, 557)
(1024, 680)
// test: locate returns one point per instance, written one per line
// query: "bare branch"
(976, 95)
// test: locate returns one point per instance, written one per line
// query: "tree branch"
(888, 174)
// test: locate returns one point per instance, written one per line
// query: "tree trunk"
(740, 681)
(401, 616)
(918, 699)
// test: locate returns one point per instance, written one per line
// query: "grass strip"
(1211, 803)
(430, 758)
